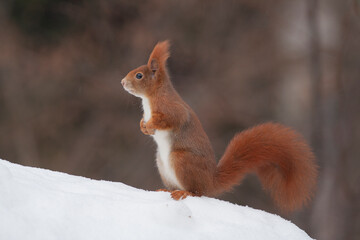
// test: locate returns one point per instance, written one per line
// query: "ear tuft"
(159, 55)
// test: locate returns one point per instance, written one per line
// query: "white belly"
(165, 164)
(164, 144)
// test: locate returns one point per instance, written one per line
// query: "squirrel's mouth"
(129, 88)
(126, 86)
(131, 91)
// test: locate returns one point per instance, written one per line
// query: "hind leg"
(195, 174)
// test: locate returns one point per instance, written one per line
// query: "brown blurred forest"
(237, 63)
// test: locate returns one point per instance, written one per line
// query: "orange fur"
(162, 190)
(158, 57)
(180, 194)
(279, 155)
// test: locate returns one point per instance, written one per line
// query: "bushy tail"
(280, 157)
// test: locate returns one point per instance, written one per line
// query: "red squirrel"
(185, 158)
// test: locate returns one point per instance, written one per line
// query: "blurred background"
(237, 63)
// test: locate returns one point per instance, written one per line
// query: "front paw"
(151, 131)
(145, 129)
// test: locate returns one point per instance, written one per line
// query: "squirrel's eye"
(139, 75)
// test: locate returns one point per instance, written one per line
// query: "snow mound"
(42, 204)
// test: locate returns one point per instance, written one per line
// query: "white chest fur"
(163, 141)
(146, 108)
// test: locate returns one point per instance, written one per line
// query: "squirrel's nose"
(123, 82)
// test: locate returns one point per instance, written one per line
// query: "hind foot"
(181, 194)
(162, 190)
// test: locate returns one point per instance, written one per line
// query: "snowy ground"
(42, 204)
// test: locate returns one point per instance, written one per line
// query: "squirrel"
(186, 161)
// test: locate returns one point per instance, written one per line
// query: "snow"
(42, 204)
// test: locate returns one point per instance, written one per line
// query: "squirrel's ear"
(159, 56)
(153, 65)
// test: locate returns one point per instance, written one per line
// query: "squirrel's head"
(145, 80)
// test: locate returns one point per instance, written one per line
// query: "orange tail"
(279, 156)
